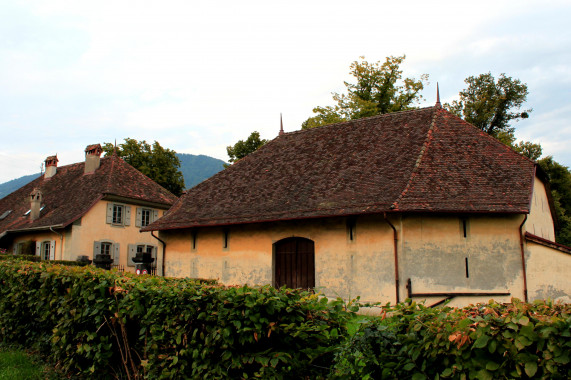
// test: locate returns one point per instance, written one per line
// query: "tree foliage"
(491, 105)
(243, 148)
(378, 89)
(159, 164)
(560, 182)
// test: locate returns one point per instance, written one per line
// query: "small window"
(46, 250)
(106, 248)
(29, 211)
(146, 217)
(193, 241)
(5, 214)
(351, 230)
(464, 228)
(117, 214)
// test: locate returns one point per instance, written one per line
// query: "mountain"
(194, 169)
(13, 185)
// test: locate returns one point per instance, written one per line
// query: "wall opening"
(294, 263)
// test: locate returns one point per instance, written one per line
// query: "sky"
(199, 76)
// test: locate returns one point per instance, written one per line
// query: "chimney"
(36, 204)
(51, 166)
(92, 158)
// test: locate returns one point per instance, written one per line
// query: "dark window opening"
(467, 271)
(193, 239)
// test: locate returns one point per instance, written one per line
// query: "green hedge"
(101, 323)
(487, 341)
(38, 259)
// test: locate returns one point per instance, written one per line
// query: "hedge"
(486, 341)
(104, 323)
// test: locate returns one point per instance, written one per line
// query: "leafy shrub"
(491, 341)
(102, 323)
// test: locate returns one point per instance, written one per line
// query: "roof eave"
(270, 220)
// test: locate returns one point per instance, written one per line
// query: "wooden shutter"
(155, 215)
(115, 253)
(52, 250)
(109, 216)
(132, 251)
(38, 248)
(96, 248)
(127, 217)
(139, 217)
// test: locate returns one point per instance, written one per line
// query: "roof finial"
(281, 125)
(437, 105)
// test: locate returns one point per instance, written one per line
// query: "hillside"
(194, 169)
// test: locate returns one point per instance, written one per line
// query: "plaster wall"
(539, 221)
(445, 254)
(78, 239)
(548, 273)
(93, 227)
(433, 252)
(344, 268)
(42, 236)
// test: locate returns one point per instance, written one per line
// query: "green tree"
(560, 182)
(243, 148)
(159, 164)
(378, 89)
(491, 105)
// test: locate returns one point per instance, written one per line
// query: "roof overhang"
(31, 229)
(134, 201)
(227, 222)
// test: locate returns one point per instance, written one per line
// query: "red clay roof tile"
(425, 160)
(70, 194)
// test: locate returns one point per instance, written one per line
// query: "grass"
(18, 365)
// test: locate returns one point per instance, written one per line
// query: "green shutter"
(96, 248)
(127, 217)
(131, 254)
(115, 253)
(138, 217)
(109, 216)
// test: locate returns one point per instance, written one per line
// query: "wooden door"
(295, 263)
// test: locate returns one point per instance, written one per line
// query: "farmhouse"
(84, 209)
(415, 204)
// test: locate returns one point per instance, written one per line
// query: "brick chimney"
(51, 166)
(36, 204)
(92, 158)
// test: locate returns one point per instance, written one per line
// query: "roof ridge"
(388, 114)
(418, 159)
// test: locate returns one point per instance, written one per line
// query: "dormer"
(36, 204)
(51, 166)
(92, 158)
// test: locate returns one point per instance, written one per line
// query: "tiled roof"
(70, 194)
(425, 160)
(547, 243)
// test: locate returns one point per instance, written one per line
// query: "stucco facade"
(413, 204)
(437, 253)
(80, 237)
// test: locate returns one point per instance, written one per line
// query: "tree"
(560, 182)
(378, 90)
(491, 105)
(243, 148)
(159, 164)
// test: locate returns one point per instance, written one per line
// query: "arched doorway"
(294, 263)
